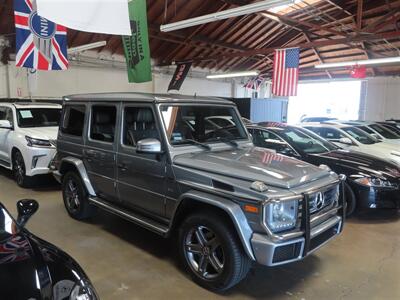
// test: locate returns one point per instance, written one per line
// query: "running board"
(132, 217)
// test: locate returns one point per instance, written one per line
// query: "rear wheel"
(351, 202)
(211, 252)
(75, 197)
(19, 170)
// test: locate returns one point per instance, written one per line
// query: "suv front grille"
(323, 200)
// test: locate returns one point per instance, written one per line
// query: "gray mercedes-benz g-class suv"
(186, 167)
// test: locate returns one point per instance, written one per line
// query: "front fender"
(80, 167)
(233, 210)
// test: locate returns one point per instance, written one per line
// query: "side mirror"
(26, 208)
(376, 136)
(150, 146)
(5, 124)
(346, 141)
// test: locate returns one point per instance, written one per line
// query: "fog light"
(35, 160)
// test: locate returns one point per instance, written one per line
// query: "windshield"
(199, 123)
(7, 225)
(38, 117)
(304, 140)
(359, 135)
(386, 133)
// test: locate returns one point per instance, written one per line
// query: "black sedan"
(31, 268)
(371, 182)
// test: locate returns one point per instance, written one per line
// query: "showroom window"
(74, 119)
(103, 123)
(139, 124)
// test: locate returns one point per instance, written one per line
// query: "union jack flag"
(15, 249)
(40, 43)
(255, 83)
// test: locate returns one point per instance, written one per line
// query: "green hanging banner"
(137, 49)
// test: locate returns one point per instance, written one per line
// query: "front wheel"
(351, 202)
(211, 252)
(75, 197)
(19, 170)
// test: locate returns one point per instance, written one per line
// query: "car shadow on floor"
(40, 183)
(261, 282)
(378, 216)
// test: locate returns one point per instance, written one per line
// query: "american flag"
(40, 43)
(286, 72)
(270, 157)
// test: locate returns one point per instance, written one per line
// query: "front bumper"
(37, 160)
(272, 252)
(370, 197)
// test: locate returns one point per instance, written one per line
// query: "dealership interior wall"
(379, 101)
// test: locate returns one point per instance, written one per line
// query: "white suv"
(27, 132)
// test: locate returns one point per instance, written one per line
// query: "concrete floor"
(125, 261)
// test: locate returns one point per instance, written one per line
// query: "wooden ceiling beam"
(317, 54)
(360, 4)
(266, 51)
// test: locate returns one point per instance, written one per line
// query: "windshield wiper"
(205, 146)
(227, 141)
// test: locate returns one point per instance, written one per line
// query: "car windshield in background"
(359, 135)
(386, 133)
(305, 141)
(188, 124)
(38, 117)
(7, 225)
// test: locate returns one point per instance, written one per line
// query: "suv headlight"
(37, 142)
(281, 215)
(375, 182)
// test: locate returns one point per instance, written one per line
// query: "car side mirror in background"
(376, 136)
(5, 124)
(26, 208)
(346, 141)
(150, 146)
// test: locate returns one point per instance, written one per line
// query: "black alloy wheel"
(75, 197)
(19, 169)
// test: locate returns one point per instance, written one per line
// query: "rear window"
(74, 120)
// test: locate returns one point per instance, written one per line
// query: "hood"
(31, 268)
(43, 133)
(357, 162)
(253, 164)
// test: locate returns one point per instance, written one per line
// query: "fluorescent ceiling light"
(226, 14)
(282, 7)
(86, 47)
(231, 75)
(376, 61)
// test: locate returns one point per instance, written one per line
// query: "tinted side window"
(73, 120)
(103, 123)
(139, 124)
(331, 134)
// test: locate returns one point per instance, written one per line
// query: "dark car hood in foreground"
(253, 164)
(356, 162)
(31, 268)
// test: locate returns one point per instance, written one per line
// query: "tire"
(19, 170)
(75, 197)
(218, 262)
(351, 201)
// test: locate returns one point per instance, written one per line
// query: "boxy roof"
(144, 97)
